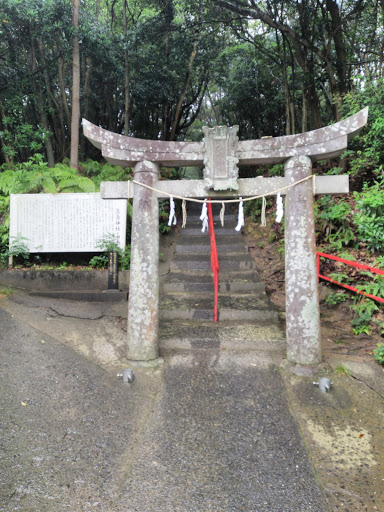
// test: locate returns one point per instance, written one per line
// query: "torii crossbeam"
(220, 152)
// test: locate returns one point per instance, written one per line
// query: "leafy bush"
(366, 153)
(336, 298)
(378, 353)
(110, 244)
(17, 249)
(35, 176)
(333, 215)
(374, 287)
(99, 261)
(163, 216)
(363, 310)
(99, 172)
(369, 218)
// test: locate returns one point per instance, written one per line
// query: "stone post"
(301, 282)
(143, 303)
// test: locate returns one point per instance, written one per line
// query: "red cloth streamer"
(214, 260)
(352, 264)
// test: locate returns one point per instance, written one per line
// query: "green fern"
(76, 184)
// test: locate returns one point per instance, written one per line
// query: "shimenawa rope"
(223, 201)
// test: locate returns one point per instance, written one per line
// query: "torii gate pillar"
(143, 304)
(301, 290)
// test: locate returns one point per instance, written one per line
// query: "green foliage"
(378, 353)
(244, 93)
(336, 298)
(18, 249)
(374, 287)
(340, 277)
(99, 261)
(20, 139)
(277, 170)
(333, 215)
(379, 262)
(253, 209)
(366, 151)
(345, 255)
(163, 216)
(342, 238)
(342, 371)
(343, 227)
(99, 172)
(369, 217)
(35, 176)
(363, 310)
(110, 244)
(6, 290)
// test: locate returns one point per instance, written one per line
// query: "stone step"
(178, 282)
(230, 244)
(203, 262)
(225, 231)
(191, 335)
(251, 309)
(195, 209)
(228, 217)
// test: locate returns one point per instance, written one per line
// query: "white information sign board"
(66, 222)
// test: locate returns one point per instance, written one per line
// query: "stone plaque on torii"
(220, 153)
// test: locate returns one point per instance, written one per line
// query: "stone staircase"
(246, 316)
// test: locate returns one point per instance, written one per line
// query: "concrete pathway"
(209, 431)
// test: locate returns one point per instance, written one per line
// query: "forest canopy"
(160, 69)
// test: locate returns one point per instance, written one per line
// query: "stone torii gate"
(220, 152)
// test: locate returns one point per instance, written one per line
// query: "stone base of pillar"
(152, 363)
(305, 370)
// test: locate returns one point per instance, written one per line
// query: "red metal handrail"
(352, 264)
(214, 260)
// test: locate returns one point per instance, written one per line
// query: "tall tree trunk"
(184, 92)
(340, 50)
(56, 119)
(168, 14)
(6, 157)
(283, 58)
(62, 90)
(188, 74)
(126, 72)
(292, 110)
(41, 110)
(75, 119)
(381, 70)
(86, 92)
(304, 112)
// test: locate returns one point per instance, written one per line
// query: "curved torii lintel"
(321, 144)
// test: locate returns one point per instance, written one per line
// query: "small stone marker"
(113, 274)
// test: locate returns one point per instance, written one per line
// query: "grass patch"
(342, 371)
(6, 290)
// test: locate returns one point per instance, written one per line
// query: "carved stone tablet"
(66, 222)
(221, 171)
